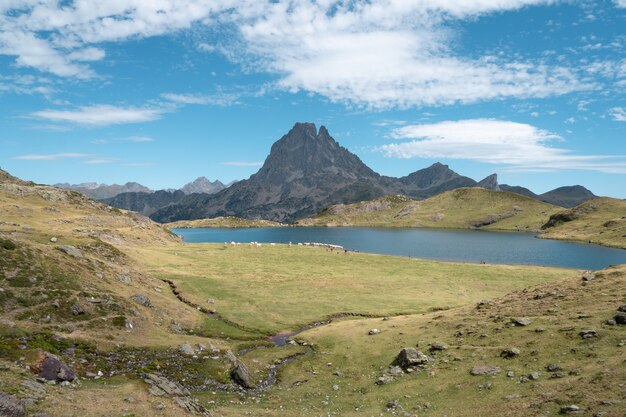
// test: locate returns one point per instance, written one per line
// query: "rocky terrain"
(104, 191)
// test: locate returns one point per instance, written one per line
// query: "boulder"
(569, 409)
(410, 357)
(521, 321)
(437, 347)
(622, 308)
(51, 368)
(77, 310)
(161, 386)
(11, 406)
(241, 375)
(589, 276)
(141, 299)
(485, 370)
(510, 353)
(620, 318)
(71, 250)
(186, 349)
(588, 333)
(373, 332)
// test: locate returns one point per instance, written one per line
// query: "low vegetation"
(222, 222)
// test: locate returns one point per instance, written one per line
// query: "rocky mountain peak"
(203, 185)
(490, 182)
(435, 174)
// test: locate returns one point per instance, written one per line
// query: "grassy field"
(222, 222)
(460, 209)
(601, 221)
(274, 288)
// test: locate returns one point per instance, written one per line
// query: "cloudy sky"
(164, 91)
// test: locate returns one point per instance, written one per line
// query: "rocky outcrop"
(11, 406)
(203, 185)
(51, 368)
(490, 183)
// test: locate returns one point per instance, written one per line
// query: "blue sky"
(161, 92)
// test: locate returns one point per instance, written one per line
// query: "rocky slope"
(145, 203)
(104, 191)
(203, 185)
(569, 196)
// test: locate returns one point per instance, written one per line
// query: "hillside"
(601, 221)
(222, 222)
(152, 326)
(104, 191)
(569, 196)
(145, 203)
(461, 208)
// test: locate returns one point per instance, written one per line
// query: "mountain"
(518, 190)
(145, 203)
(306, 171)
(203, 185)
(104, 191)
(569, 196)
(462, 208)
(490, 183)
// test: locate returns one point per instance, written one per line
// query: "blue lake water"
(440, 244)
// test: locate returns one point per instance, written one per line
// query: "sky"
(162, 91)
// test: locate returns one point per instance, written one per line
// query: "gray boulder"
(241, 375)
(71, 250)
(521, 321)
(620, 318)
(11, 406)
(141, 299)
(510, 353)
(410, 357)
(485, 370)
(51, 368)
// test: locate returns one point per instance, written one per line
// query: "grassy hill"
(222, 222)
(461, 208)
(601, 220)
(85, 282)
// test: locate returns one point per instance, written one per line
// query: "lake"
(440, 244)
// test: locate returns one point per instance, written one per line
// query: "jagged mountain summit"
(104, 191)
(203, 185)
(306, 171)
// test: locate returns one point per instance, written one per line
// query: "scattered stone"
(557, 375)
(186, 349)
(71, 250)
(395, 371)
(160, 386)
(622, 308)
(191, 405)
(589, 276)
(588, 333)
(142, 299)
(540, 330)
(409, 357)
(393, 404)
(485, 370)
(130, 400)
(385, 379)
(438, 347)
(53, 239)
(611, 322)
(373, 332)
(241, 376)
(510, 374)
(512, 397)
(620, 318)
(51, 368)
(510, 353)
(11, 406)
(569, 409)
(34, 387)
(335, 387)
(553, 367)
(77, 310)
(521, 321)
(534, 376)
(483, 304)
(159, 406)
(124, 279)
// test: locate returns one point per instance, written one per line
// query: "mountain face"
(306, 171)
(203, 185)
(145, 203)
(518, 190)
(490, 183)
(569, 197)
(104, 191)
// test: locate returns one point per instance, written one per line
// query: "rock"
(385, 379)
(588, 333)
(510, 353)
(437, 347)
(485, 370)
(510, 374)
(77, 310)
(393, 404)
(557, 375)
(186, 349)
(373, 332)
(241, 376)
(409, 357)
(51, 368)
(553, 367)
(130, 400)
(162, 386)
(191, 405)
(521, 321)
(534, 376)
(11, 406)
(142, 300)
(53, 239)
(589, 276)
(71, 250)
(540, 330)
(569, 409)
(34, 387)
(620, 318)
(483, 304)
(124, 279)
(335, 387)
(622, 308)
(611, 322)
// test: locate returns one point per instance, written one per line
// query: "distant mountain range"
(307, 171)
(105, 191)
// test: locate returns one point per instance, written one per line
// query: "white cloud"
(52, 157)
(100, 115)
(618, 114)
(520, 146)
(620, 3)
(376, 54)
(243, 164)
(217, 99)
(99, 161)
